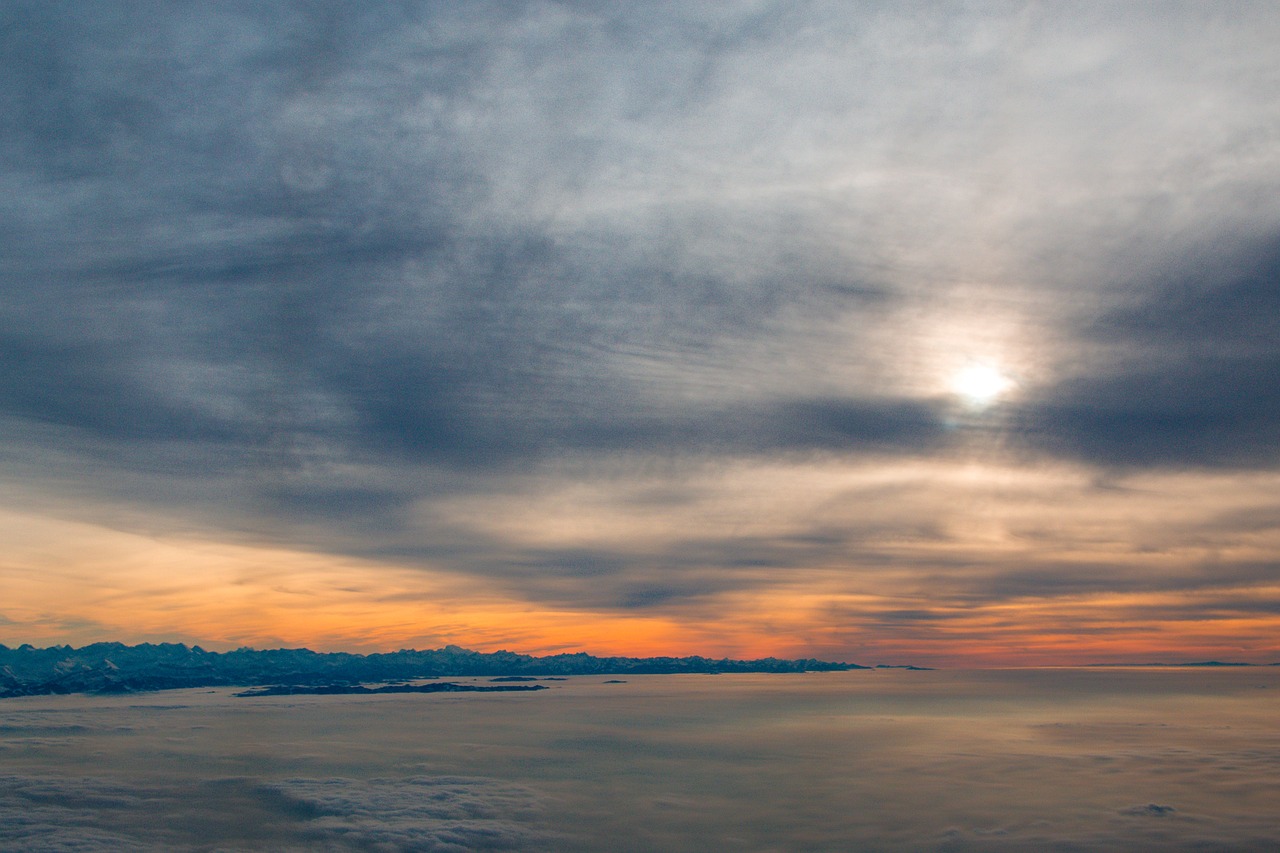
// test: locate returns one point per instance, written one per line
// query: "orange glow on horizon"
(98, 584)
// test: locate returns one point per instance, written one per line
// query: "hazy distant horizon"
(224, 648)
(106, 669)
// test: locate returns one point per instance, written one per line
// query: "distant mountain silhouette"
(117, 668)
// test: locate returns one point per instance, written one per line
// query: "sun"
(980, 385)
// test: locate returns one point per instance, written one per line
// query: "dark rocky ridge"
(117, 668)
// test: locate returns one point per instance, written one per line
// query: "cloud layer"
(1016, 759)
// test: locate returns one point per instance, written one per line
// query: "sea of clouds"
(1093, 759)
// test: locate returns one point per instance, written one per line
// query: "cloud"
(418, 813)
(1150, 810)
(319, 276)
(1186, 371)
(42, 814)
(340, 262)
(64, 813)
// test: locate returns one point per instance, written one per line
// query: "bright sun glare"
(980, 384)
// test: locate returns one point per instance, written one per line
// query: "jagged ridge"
(117, 668)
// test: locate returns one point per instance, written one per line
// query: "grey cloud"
(310, 269)
(442, 813)
(68, 814)
(913, 616)
(1205, 591)
(1149, 810)
(415, 814)
(683, 575)
(1187, 372)
(223, 303)
(1049, 758)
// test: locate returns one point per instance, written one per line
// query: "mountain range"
(119, 668)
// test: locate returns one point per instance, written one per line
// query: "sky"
(936, 333)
